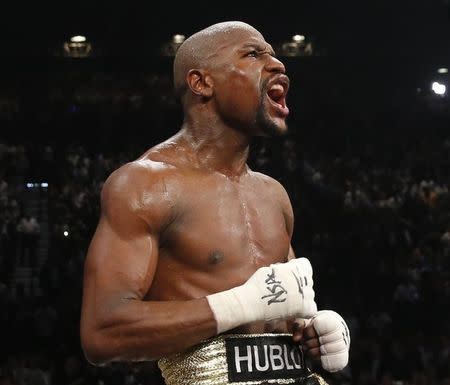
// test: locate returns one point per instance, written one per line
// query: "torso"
(222, 231)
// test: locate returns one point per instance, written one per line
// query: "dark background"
(366, 164)
(349, 29)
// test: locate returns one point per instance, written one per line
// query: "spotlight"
(438, 88)
(170, 47)
(77, 47)
(178, 39)
(78, 39)
(298, 38)
(296, 45)
(442, 70)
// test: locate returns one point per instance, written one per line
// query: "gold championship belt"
(240, 359)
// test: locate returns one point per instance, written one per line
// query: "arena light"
(442, 70)
(438, 88)
(178, 39)
(30, 185)
(170, 47)
(44, 184)
(66, 233)
(78, 39)
(298, 38)
(77, 47)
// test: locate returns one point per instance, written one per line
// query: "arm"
(326, 336)
(116, 322)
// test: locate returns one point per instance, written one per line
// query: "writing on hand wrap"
(301, 281)
(345, 334)
(275, 289)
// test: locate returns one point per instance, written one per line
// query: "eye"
(253, 53)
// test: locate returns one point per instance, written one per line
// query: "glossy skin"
(189, 218)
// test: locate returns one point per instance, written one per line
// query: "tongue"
(275, 94)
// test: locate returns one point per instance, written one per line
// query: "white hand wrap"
(334, 338)
(278, 291)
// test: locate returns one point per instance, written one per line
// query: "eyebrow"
(258, 47)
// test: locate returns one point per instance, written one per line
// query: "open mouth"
(277, 95)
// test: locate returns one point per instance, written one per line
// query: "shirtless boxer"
(191, 262)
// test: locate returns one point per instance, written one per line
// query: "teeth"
(277, 87)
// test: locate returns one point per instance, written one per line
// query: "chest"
(229, 224)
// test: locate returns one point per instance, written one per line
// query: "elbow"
(95, 348)
(95, 357)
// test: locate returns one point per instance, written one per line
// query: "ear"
(200, 83)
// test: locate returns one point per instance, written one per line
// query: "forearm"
(141, 331)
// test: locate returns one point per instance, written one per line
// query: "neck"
(217, 147)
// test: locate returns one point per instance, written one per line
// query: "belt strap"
(240, 359)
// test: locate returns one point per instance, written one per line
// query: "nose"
(275, 65)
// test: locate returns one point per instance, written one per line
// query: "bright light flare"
(178, 39)
(78, 39)
(298, 38)
(438, 88)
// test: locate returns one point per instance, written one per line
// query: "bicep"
(118, 268)
(121, 260)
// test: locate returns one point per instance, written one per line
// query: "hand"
(304, 333)
(276, 292)
(284, 290)
(325, 337)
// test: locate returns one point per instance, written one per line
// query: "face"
(250, 86)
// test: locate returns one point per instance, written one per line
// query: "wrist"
(233, 307)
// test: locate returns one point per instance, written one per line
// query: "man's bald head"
(199, 49)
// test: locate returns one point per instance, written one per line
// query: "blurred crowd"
(373, 216)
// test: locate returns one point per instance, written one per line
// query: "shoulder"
(136, 177)
(140, 188)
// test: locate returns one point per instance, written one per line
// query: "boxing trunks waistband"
(241, 359)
